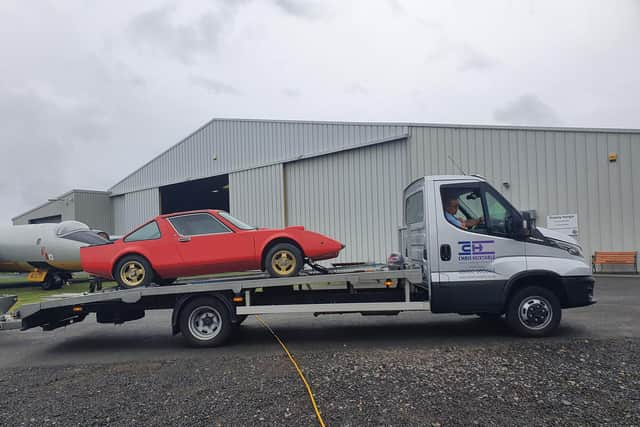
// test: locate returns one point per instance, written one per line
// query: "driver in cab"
(451, 210)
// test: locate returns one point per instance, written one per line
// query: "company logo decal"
(476, 250)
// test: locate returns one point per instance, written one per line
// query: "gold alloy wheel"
(283, 262)
(132, 273)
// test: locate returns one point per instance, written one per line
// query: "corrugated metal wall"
(94, 209)
(88, 206)
(553, 172)
(132, 209)
(243, 144)
(354, 196)
(256, 196)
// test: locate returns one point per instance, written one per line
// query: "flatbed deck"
(367, 291)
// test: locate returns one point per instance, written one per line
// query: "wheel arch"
(184, 300)
(542, 278)
(274, 241)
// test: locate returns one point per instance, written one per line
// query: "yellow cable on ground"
(295, 365)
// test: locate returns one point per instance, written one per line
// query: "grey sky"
(90, 91)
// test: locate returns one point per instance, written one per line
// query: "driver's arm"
(473, 222)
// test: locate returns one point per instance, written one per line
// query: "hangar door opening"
(206, 193)
(354, 196)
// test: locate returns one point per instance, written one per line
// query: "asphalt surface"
(415, 368)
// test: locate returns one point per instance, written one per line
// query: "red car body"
(174, 255)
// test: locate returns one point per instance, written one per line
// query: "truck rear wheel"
(534, 312)
(205, 322)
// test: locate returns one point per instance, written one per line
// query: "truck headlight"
(572, 249)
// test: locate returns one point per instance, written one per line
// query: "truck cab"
(480, 255)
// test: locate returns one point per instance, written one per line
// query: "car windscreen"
(235, 221)
(86, 236)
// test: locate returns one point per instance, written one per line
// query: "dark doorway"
(206, 193)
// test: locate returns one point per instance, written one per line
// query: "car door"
(206, 245)
(475, 261)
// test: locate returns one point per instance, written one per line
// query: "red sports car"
(203, 242)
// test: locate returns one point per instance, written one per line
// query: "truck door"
(414, 227)
(477, 253)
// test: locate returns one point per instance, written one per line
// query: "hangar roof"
(224, 146)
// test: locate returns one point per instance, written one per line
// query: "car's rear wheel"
(283, 260)
(133, 271)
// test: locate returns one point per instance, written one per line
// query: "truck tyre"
(283, 260)
(133, 271)
(205, 322)
(533, 312)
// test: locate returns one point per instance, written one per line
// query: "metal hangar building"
(346, 179)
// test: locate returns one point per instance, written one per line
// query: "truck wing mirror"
(516, 226)
(528, 222)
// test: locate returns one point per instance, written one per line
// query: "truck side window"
(463, 207)
(414, 208)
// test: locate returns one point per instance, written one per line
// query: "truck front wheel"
(533, 312)
(205, 322)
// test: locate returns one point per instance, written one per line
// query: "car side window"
(146, 232)
(197, 224)
(414, 208)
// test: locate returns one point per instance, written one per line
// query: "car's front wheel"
(283, 260)
(133, 271)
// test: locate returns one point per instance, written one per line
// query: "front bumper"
(579, 291)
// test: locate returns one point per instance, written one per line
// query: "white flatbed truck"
(463, 249)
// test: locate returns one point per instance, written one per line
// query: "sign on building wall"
(564, 223)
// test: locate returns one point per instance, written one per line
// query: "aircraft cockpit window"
(68, 227)
(86, 236)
